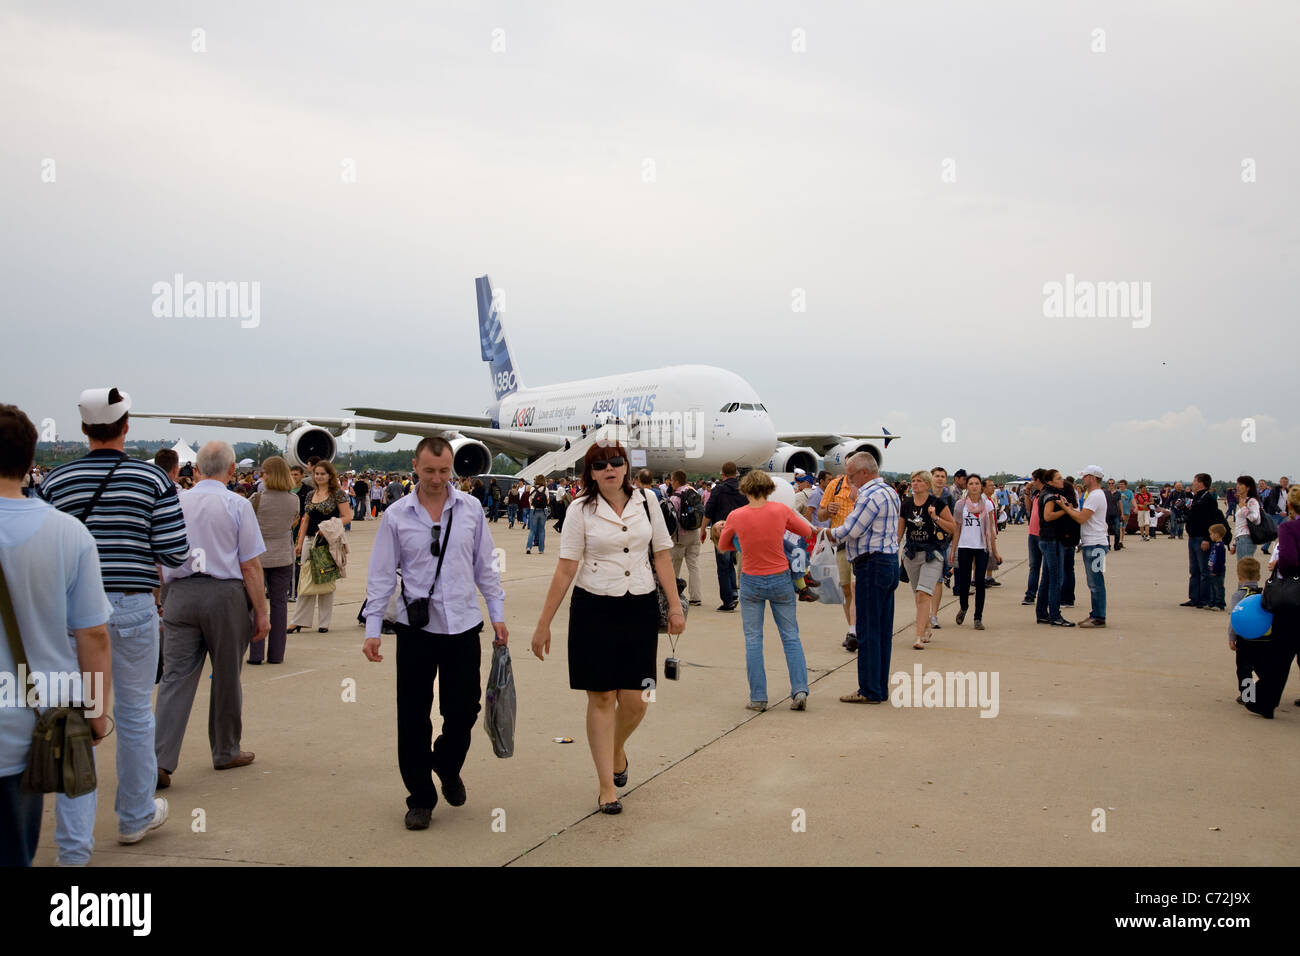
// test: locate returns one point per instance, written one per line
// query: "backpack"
(670, 519)
(692, 515)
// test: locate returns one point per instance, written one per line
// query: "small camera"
(672, 669)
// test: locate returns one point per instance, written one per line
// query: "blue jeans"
(537, 529)
(1217, 597)
(1035, 567)
(512, 509)
(726, 561)
(1175, 526)
(1049, 594)
(1245, 547)
(778, 590)
(1094, 568)
(875, 578)
(1198, 571)
(133, 632)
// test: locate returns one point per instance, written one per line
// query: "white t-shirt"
(972, 531)
(1247, 511)
(1093, 531)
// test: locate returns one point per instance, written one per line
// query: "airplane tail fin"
(888, 437)
(493, 346)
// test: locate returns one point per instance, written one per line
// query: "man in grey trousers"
(209, 598)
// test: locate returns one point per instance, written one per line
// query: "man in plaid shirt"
(871, 531)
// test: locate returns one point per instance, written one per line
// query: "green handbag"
(323, 568)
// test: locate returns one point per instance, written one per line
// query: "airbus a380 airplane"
(693, 417)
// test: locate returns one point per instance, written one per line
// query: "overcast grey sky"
(775, 169)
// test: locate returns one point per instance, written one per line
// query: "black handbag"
(1281, 594)
(660, 595)
(62, 755)
(1265, 531)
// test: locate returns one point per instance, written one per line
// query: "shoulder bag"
(62, 757)
(659, 591)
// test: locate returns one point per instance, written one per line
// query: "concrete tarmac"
(1132, 728)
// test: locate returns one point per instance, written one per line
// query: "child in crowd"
(1247, 651)
(1218, 562)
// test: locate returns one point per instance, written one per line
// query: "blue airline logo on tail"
(493, 347)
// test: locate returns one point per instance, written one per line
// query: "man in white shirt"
(1093, 541)
(209, 598)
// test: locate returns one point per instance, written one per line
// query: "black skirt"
(613, 641)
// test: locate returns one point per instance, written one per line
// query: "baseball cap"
(1094, 470)
(103, 406)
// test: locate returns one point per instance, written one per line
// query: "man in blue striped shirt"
(871, 531)
(137, 525)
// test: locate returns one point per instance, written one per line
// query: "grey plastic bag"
(499, 714)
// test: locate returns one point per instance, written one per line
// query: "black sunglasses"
(600, 464)
(436, 548)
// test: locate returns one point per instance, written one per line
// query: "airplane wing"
(392, 414)
(822, 442)
(512, 442)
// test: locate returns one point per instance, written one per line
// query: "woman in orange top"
(761, 527)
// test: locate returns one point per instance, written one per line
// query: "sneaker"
(1061, 622)
(961, 615)
(934, 623)
(758, 705)
(851, 644)
(1067, 604)
(727, 607)
(979, 625)
(1028, 602)
(695, 603)
(993, 583)
(526, 551)
(1092, 622)
(799, 701)
(417, 818)
(159, 818)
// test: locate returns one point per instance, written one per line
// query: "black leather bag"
(1281, 594)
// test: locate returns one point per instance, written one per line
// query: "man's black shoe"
(417, 818)
(1028, 602)
(1044, 620)
(1061, 622)
(453, 790)
(726, 607)
(992, 583)
(1191, 604)
(851, 645)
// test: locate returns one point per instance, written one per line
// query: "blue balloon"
(1250, 620)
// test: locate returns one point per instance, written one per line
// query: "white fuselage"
(693, 417)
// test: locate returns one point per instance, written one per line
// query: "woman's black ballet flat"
(620, 779)
(614, 806)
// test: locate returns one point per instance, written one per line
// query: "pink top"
(762, 531)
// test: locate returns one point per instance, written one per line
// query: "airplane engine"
(790, 457)
(309, 441)
(469, 457)
(835, 457)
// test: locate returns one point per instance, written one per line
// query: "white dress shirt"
(612, 551)
(223, 532)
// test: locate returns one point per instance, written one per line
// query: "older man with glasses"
(871, 531)
(438, 536)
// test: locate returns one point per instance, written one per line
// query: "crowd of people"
(128, 561)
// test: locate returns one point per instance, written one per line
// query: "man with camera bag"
(439, 539)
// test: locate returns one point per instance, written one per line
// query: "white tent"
(184, 452)
(246, 463)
